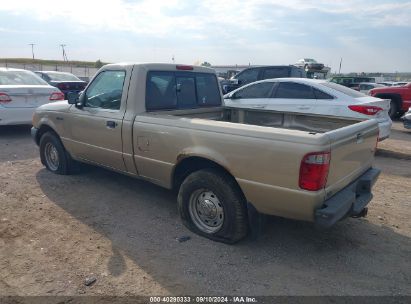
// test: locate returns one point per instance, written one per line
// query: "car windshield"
(20, 78)
(62, 77)
(343, 89)
(310, 60)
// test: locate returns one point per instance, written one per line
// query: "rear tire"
(53, 155)
(211, 205)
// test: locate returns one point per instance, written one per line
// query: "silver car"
(21, 92)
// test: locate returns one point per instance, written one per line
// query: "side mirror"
(232, 96)
(73, 98)
(76, 99)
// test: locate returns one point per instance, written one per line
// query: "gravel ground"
(56, 231)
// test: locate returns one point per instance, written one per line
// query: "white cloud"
(152, 17)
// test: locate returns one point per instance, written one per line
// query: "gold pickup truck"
(166, 124)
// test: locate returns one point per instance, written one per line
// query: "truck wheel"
(53, 155)
(393, 109)
(211, 205)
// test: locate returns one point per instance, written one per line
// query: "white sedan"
(21, 92)
(311, 96)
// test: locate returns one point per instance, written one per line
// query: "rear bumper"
(350, 201)
(16, 116)
(384, 129)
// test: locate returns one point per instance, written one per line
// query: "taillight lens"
(184, 67)
(366, 110)
(314, 170)
(4, 98)
(56, 96)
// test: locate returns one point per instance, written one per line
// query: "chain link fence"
(83, 72)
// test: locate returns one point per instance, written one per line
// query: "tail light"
(314, 170)
(56, 96)
(366, 110)
(4, 98)
(184, 67)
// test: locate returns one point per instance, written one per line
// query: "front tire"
(393, 112)
(53, 155)
(212, 205)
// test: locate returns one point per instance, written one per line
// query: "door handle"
(304, 108)
(111, 124)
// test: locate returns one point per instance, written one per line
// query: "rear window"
(343, 89)
(20, 78)
(62, 76)
(181, 90)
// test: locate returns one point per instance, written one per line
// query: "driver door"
(95, 128)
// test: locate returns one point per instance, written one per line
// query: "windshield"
(62, 77)
(20, 78)
(344, 90)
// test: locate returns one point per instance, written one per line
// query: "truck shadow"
(142, 223)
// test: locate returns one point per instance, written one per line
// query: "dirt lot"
(57, 230)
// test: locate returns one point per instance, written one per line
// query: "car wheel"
(393, 110)
(53, 155)
(211, 204)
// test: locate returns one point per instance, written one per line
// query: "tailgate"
(352, 153)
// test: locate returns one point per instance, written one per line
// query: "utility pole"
(64, 52)
(32, 49)
(172, 58)
(339, 71)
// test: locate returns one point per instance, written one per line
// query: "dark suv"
(259, 73)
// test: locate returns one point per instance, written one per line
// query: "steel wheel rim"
(52, 156)
(206, 211)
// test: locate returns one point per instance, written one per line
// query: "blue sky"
(370, 35)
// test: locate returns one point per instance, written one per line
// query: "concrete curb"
(392, 154)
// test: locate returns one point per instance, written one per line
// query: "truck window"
(208, 92)
(279, 72)
(248, 76)
(181, 90)
(186, 92)
(106, 90)
(294, 90)
(258, 90)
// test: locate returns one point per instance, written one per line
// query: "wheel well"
(43, 129)
(394, 97)
(191, 164)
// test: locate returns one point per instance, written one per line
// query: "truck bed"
(286, 120)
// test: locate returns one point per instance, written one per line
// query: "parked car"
(313, 97)
(400, 83)
(21, 92)
(66, 82)
(165, 124)
(351, 81)
(309, 64)
(407, 119)
(259, 73)
(365, 87)
(400, 97)
(387, 83)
